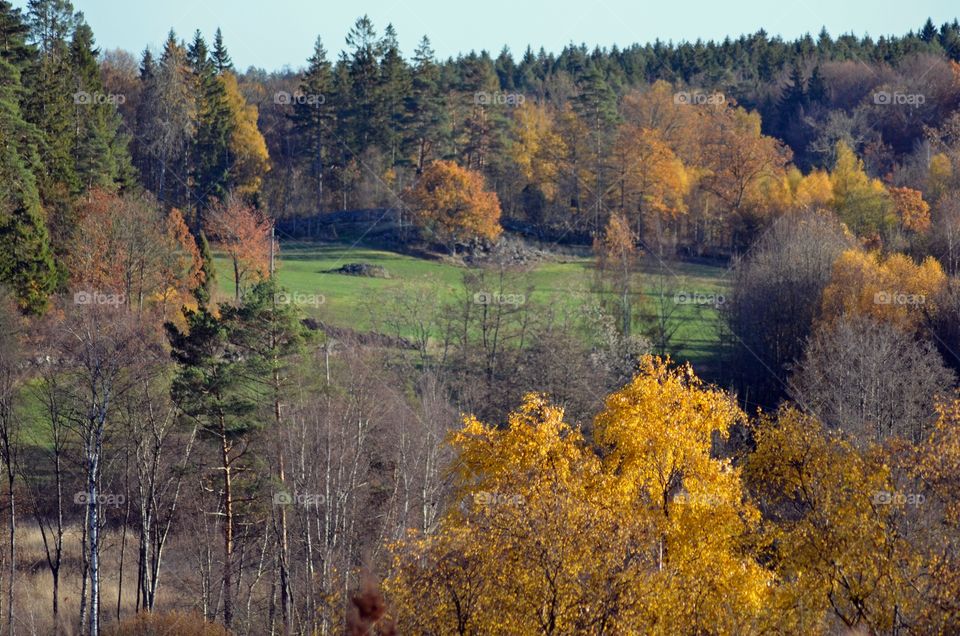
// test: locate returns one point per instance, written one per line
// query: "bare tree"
(11, 378)
(870, 380)
(103, 350)
(775, 298)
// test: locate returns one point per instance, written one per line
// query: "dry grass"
(33, 593)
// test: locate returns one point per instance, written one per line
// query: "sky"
(273, 34)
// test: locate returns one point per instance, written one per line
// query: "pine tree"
(99, 150)
(393, 86)
(314, 116)
(214, 127)
(220, 58)
(13, 36)
(48, 101)
(26, 259)
(426, 112)
(363, 72)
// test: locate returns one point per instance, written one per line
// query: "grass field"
(349, 301)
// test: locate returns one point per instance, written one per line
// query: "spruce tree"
(48, 102)
(314, 116)
(26, 259)
(360, 110)
(220, 58)
(214, 127)
(393, 86)
(99, 149)
(426, 114)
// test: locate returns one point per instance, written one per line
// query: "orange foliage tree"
(911, 209)
(451, 203)
(125, 245)
(244, 234)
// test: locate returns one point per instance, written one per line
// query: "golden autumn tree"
(537, 148)
(833, 526)
(547, 534)
(809, 191)
(243, 233)
(651, 180)
(937, 468)
(912, 211)
(452, 204)
(248, 149)
(892, 289)
(657, 436)
(861, 202)
(616, 253)
(737, 159)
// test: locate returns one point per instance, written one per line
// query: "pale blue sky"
(274, 33)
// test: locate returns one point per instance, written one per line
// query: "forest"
(655, 339)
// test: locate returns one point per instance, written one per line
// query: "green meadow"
(304, 269)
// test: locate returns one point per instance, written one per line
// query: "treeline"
(557, 137)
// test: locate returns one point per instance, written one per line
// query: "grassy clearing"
(350, 301)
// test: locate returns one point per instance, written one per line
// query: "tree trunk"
(11, 615)
(227, 526)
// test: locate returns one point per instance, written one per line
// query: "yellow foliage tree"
(894, 289)
(810, 191)
(833, 530)
(939, 176)
(652, 180)
(248, 149)
(860, 202)
(547, 537)
(938, 469)
(537, 148)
